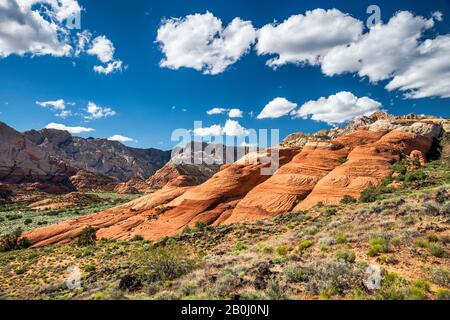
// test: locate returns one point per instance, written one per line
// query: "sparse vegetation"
(13, 241)
(87, 237)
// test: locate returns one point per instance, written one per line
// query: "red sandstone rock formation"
(367, 165)
(169, 210)
(294, 181)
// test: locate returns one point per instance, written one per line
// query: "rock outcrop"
(102, 156)
(369, 164)
(88, 181)
(196, 162)
(134, 186)
(22, 161)
(294, 181)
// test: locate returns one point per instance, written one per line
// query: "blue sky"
(150, 101)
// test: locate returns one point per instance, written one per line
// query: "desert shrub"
(378, 245)
(399, 168)
(130, 283)
(348, 200)
(283, 250)
(346, 255)
(13, 241)
(443, 294)
(343, 160)
(445, 210)
(330, 211)
(415, 176)
(393, 287)
(28, 221)
(167, 295)
(226, 282)
(305, 244)
(276, 290)
(334, 277)
(370, 194)
(295, 273)
(199, 226)
(436, 250)
(341, 238)
(252, 295)
(239, 246)
(439, 276)
(162, 263)
(12, 217)
(87, 237)
(293, 216)
(137, 238)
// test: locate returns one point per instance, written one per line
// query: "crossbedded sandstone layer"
(322, 170)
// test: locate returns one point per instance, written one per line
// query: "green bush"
(330, 211)
(28, 221)
(239, 246)
(341, 238)
(162, 263)
(343, 160)
(283, 250)
(346, 255)
(399, 168)
(370, 194)
(439, 276)
(415, 176)
(305, 244)
(199, 226)
(443, 294)
(13, 241)
(348, 200)
(334, 277)
(276, 291)
(378, 245)
(436, 250)
(295, 273)
(137, 238)
(87, 237)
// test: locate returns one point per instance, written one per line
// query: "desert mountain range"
(319, 168)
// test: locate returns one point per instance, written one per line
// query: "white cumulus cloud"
(214, 130)
(111, 67)
(338, 108)
(102, 48)
(39, 27)
(29, 27)
(277, 108)
(73, 130)
(306, 38)
(235, 113)
(57, 105)
(231, 128)
(201, 42)
(98, 112)
(381, 52)
(429, 74)
(120, 138)
(214, 111)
